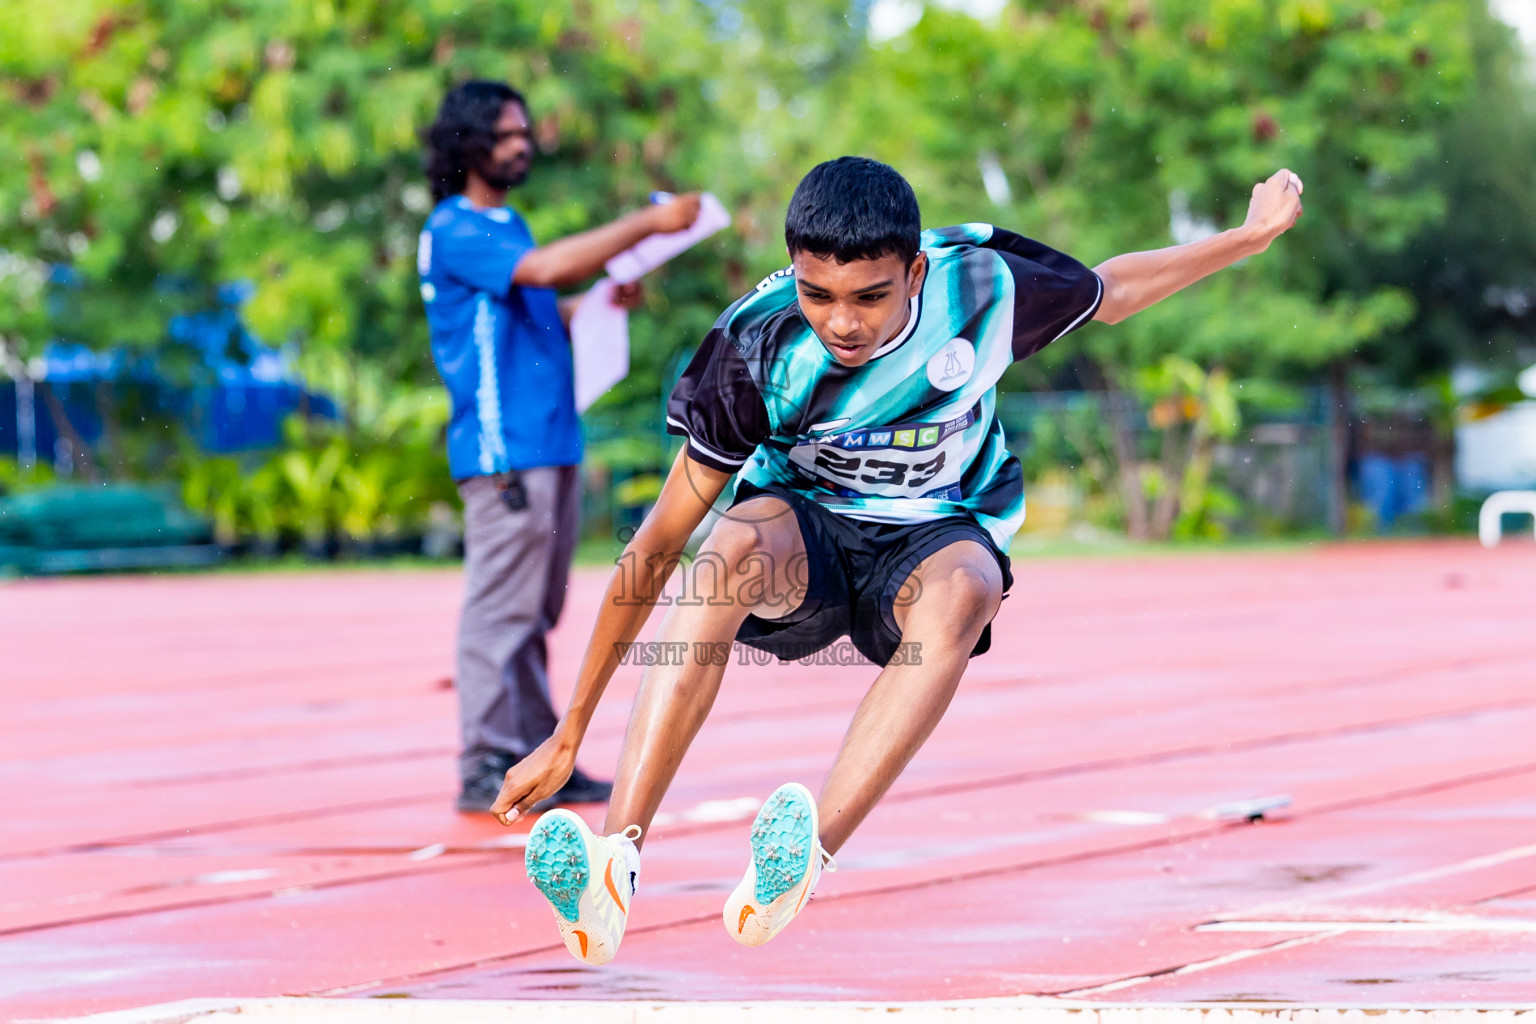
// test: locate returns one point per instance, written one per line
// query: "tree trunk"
(111, 431)
(1178, 447)
(1128, 465)
(79, 451)
(1338, 448)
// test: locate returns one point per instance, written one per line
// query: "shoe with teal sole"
(787, 861)
(589, 881)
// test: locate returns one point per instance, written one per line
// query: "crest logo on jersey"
(951, 366)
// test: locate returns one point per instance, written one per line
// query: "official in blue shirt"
(500, 343)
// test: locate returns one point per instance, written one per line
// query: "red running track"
(236, 785)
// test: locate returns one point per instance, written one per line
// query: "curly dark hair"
(463, 133)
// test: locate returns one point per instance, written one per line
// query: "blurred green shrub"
(15, 480)
(363, 485)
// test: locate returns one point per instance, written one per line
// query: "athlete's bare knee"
(956, 602)
(763, 556)
(762, 526)
(733, 540)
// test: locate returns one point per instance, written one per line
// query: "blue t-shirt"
(501, 349)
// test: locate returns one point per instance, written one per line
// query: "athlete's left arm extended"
(1139, 279)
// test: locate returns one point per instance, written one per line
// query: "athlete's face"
(512, 152)
(856, 307)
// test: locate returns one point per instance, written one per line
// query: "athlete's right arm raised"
(649, 558)
(571, 260)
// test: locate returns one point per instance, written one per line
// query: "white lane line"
(1202, 965)
(1007, 1010)
(739, 809)
(1236, 810)
(1123, 817)
(1428, 875)
(1447, 924)
(709, 811)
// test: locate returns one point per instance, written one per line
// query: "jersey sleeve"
(718, 407)
(1053, 294)
(469, 252)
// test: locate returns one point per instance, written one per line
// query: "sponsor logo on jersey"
(951, 366)
(909, 435)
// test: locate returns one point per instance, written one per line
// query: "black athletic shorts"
(854, 575)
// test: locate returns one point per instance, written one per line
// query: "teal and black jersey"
(911, 435)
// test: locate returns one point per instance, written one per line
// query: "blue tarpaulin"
(234, 400)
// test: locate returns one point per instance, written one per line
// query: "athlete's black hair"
(853, 208)
(464, 133)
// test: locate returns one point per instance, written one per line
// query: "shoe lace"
(828, 862)
(632, 832)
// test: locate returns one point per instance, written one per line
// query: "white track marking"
(1204, 965)
(1428, 875)
(1235, 810)
(1124, 817)
(1446, 924)
(711, 811)
(1007, 1010)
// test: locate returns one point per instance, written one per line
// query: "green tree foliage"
(158, 144)
(1107, 118)
(158, 148)
(1473, 273)
(1121, 125)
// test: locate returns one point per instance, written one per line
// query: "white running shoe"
(787, 861)
(588, 879)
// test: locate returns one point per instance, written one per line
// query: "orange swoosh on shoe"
(582, 937)
(613, 889)
(746, 912)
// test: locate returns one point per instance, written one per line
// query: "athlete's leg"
(958, 590)
(753, 562)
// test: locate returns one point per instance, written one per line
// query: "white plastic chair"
(1490, 526)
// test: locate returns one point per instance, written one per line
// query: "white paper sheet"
(599, 343)
(600, 329)
(651, 252)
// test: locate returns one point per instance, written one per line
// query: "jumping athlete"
(854, 394)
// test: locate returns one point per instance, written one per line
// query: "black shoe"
(580, 788)
(482, 784)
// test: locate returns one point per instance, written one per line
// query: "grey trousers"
(516, 567)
